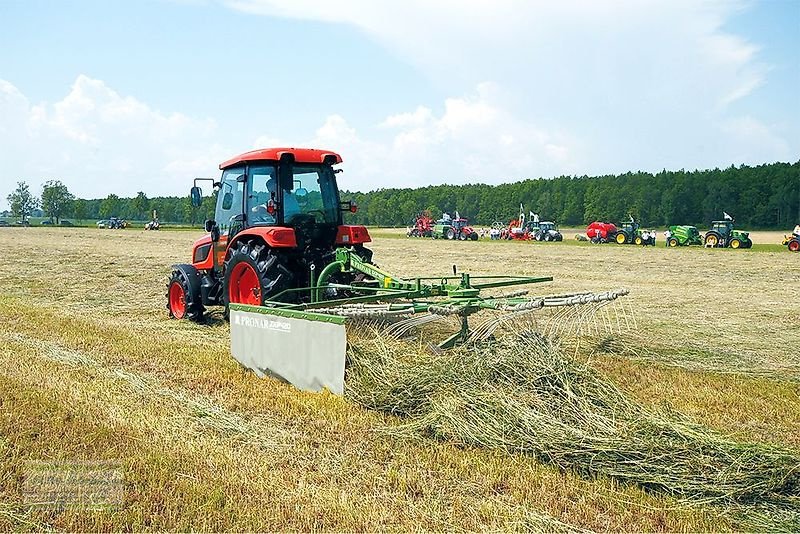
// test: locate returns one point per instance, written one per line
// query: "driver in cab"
(261, 212)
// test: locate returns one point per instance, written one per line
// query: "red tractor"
(423, 226)
(601, 232)
(277, 224)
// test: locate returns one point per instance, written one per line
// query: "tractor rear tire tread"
(273, 275)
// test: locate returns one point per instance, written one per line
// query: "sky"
(120, 97)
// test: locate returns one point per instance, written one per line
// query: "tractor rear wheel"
(253, 274)
(794, 245)
(473, 236)
(621, 238)
(712, 240)
(183, 298)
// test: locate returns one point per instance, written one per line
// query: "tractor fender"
(273, 236)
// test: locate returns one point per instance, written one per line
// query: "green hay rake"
(302, 330)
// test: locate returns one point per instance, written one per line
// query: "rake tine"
(401, 328)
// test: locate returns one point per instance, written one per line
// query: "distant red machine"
(423, 226)
(517, 229)
(601, 232)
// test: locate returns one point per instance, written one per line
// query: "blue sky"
(112, 96)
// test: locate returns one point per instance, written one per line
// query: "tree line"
(58, 203)
(763, 196)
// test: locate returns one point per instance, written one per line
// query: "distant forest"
(765, 196)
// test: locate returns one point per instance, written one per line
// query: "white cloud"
(624, 80)
(474, 139)
(99, 142)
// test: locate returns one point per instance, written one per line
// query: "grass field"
(92, 369)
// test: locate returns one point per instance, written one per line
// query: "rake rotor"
(402, 306)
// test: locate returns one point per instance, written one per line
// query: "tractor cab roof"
(301, 155)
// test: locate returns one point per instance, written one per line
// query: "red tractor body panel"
(201, 253)
(301, 155)
(274, 236)
(600, 230)
(352, 235)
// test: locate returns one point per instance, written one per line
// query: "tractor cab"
(629, 227)
(459, 223)
(547, 226)
(723, 228)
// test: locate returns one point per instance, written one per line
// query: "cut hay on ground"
(521, 394)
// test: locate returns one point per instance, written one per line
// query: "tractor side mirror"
(227, 201)
(197, 196)
(210, 223)
(301, 195)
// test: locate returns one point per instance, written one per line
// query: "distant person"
(796, 230)
(667, 235)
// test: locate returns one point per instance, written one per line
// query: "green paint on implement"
(289, 313)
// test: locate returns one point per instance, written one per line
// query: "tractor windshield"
(311, 193)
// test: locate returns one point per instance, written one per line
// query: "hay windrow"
(522, 394)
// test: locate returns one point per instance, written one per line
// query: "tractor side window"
(261, 189)
(229, 199)
(313, 193)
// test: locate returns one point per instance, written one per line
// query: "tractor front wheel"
(183, 297)
(639, 240)
(673, 242)
(735, 243)
(253, 274)
(450, 233)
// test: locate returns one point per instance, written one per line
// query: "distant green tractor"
(682, 235)
(630, 233)
(723, 235)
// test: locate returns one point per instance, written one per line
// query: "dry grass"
(92, 368)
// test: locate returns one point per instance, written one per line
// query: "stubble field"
(92, 369)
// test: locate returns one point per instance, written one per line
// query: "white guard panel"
(308, 354)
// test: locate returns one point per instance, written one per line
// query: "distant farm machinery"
(626, 233)
(454, 228)
(792, 242)
(422, 226)
(630, 233)
(290, 274)
(683, 235)
(723, 235)
(531, 229)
